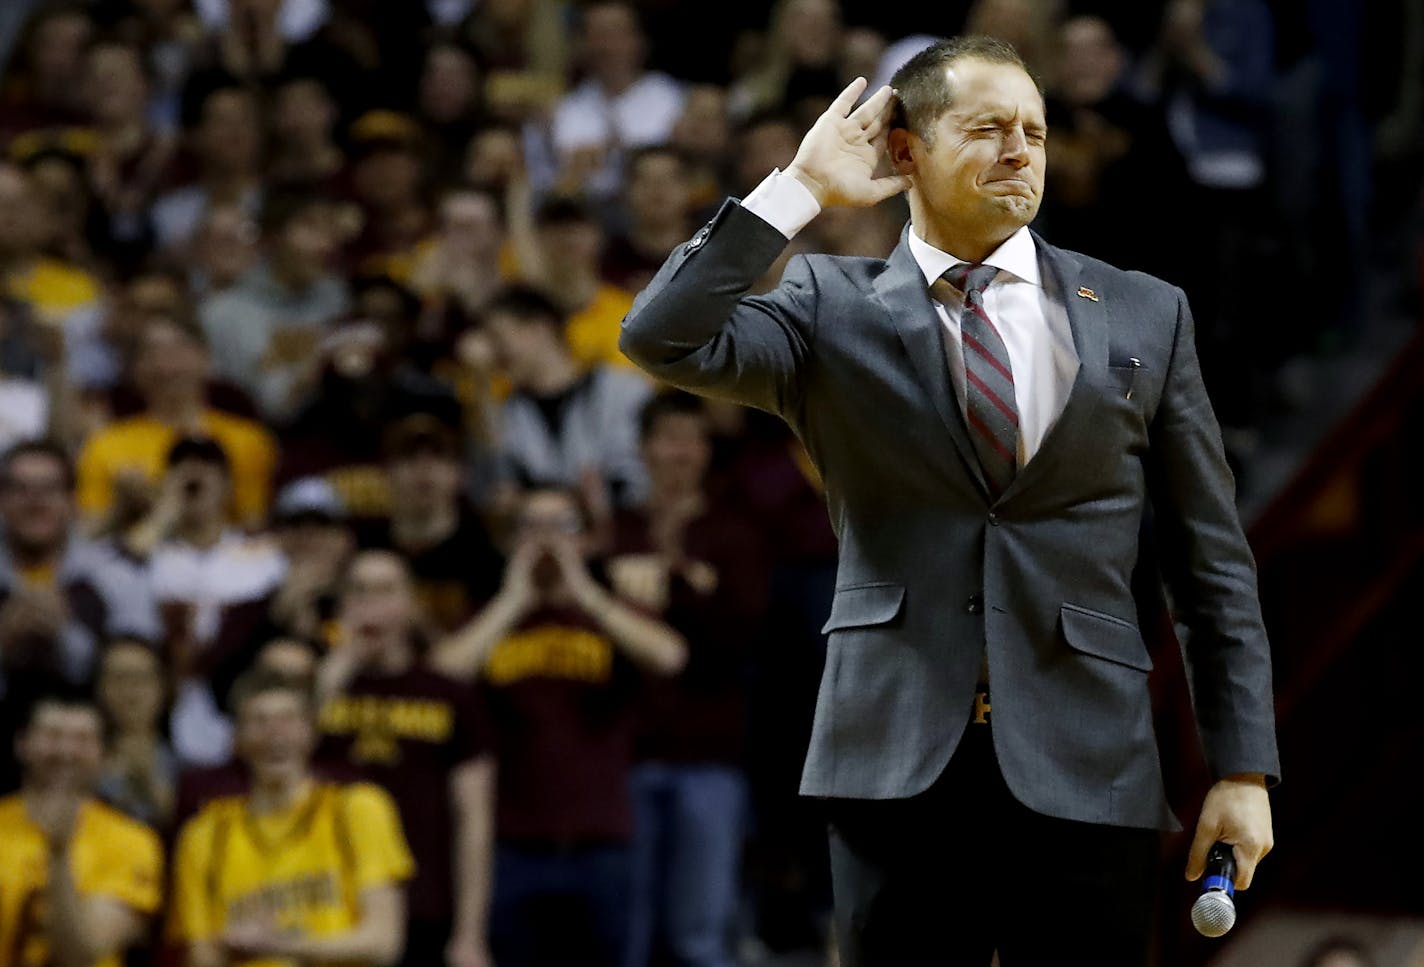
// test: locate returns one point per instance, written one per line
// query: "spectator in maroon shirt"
(700, 566)
(393, 721)
(560, 656)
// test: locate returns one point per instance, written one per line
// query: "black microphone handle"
(1220, 871)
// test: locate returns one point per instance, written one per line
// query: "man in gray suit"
(992, 417)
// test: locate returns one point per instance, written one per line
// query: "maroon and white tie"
(990, 408)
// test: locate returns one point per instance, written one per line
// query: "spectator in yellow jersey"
(120, 465)
(296, 870)
(78, 880)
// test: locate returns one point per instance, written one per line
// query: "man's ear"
(898, 146)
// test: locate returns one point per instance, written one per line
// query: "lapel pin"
(1086, 293)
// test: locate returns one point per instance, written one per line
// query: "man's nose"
(1014, 150)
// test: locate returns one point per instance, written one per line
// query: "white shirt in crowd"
(644, 114)
(235, 569)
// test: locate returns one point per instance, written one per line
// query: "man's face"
(495, 154)
(131, 685)
(470, 225)
(36, 504)
(658, 189)
(229, 134)
(316, 545)
(449, 84)
(19, 211)
(169, 360)
(115, 85)
(303, 112)
(58, 48)
(1089, 60)
(521, 348)
(388, 178)
(575, 244)
(612, 39)
(771, 144)
(306, 244)
(424, 479)
(204, 489)
(548, 517)
(983, 166)
(63, 746)
(677, 450)
(378, 602)
(226, 245)
(702, 130)
(275, 731)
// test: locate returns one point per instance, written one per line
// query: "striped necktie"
(990, 407)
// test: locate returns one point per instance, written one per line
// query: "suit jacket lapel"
(1087, 319)
(902, 291)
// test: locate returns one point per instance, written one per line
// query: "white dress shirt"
(1033, 325)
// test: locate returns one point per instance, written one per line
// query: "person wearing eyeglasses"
(61, 596)
(561, 658)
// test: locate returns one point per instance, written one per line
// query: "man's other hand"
(1236, 811)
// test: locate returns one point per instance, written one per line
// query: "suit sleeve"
(1210, 571)
(695, 327)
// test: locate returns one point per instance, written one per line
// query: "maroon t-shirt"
(717, 603)
(407, 733)
(561, 701)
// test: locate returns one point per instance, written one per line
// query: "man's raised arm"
(694, 327)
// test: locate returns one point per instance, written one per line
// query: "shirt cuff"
(783, 203)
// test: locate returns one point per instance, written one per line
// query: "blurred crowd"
(359, 602)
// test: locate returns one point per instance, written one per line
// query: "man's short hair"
(68, 697)
(526, 305)
(259, 681)
(559, 210)
(200, 449)
(638, 155)
(420, 434)
(669, 403)
(46, 449)
(922, 83)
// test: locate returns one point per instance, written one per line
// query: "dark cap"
(381, 129)
(200, 448)
(420, 433)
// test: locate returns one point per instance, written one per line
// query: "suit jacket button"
(993, 519)
(975, 604)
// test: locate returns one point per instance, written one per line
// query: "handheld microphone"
(1214, 913)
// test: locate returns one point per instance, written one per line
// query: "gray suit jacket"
(932, 572)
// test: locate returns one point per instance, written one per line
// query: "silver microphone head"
(1213, 914)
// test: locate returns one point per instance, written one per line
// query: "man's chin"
(1020, 208)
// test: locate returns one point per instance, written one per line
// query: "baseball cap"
(309, 499)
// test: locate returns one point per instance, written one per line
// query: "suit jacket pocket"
(865, 605)
(1104, 636)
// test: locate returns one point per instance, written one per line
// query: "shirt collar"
(1017, 255)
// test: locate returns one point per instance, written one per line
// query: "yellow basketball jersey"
(302, 869)
(111, 856)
